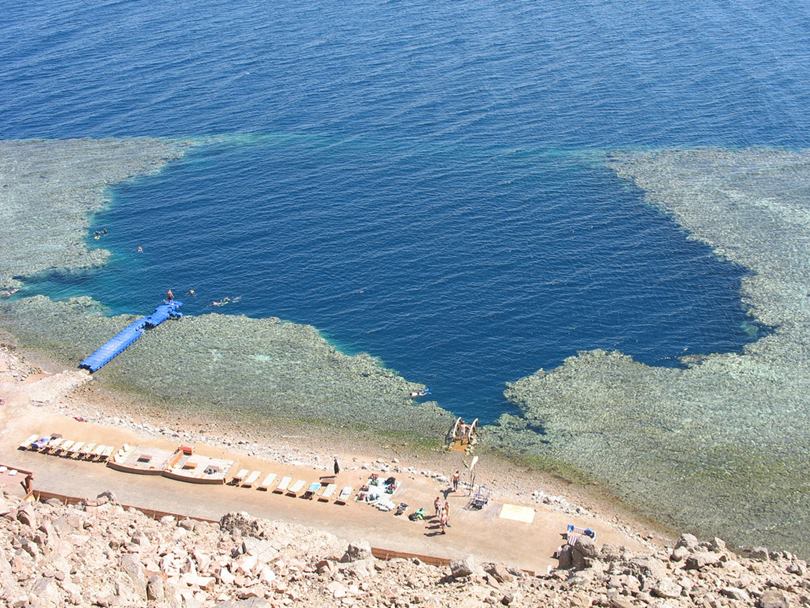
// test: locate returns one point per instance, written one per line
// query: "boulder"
(772, 598)
(241, 523)
(610, 553)
(578, 560)
(264, 550)
(666, 588)
(195, 580)
(717, 544)
(687, 541)
(356, 551)
(462, 568)
(586, 547)
(679, 554)
(648, 567)
(701, 559)
(500, 573)
(25, 515)
(132, 567)
(565, 557)
(338, 590)
(736, 593)
(46, 592)
(154, 588)
(107, 496)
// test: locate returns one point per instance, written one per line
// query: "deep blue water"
(423, 188)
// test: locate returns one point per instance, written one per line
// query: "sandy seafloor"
(720, 446)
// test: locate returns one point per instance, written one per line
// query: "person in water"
(169, 295)
(139, 249)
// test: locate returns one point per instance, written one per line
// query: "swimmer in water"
(191, 292)
(169, 295)
(139, 249)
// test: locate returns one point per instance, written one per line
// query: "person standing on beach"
(336, 466)
(455, 479)
(437, 506)
(443, 521)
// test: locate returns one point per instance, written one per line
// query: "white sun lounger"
(268, 481)
(251, 479)
(239, 477)
(86, 450)
(64, 447)
(344, 495)
(296, 487)
(27, 443)
(327, 493)
(283, 485)
(74, 449)
(104, 454)
(53, 446)
(98, 451)
(314, 487)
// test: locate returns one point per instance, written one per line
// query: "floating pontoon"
(124, 338)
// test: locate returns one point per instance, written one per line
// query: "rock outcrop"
(103, 554)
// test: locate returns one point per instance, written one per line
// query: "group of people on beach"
(442, 507)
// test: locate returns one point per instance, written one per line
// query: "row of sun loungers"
(67, 448)
(286, 486)
(245, 478)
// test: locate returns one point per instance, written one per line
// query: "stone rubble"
(100, 553)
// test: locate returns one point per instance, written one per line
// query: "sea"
(421, 181)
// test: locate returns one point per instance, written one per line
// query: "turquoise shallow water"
(424, 189)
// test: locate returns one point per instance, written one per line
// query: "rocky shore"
(100, 553)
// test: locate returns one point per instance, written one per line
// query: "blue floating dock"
(124, 338)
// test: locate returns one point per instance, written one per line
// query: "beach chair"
(296, 488)
(313, 487)
(28, 442)
(53, 446)
(87, 450)
(283, 485)
(572, 530)
(344, 495)
(63, 447)
(327, 493)
(74, 449)
(40, 444)
(251, 479)
(105, 453)
(119, 456)
(239, 477)
(96, 455)
(267, 483)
